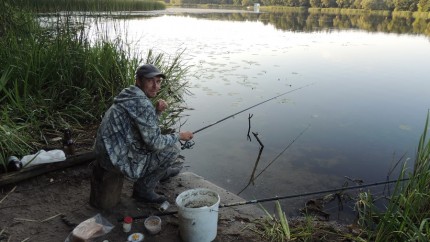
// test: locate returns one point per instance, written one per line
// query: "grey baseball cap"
(148, 71)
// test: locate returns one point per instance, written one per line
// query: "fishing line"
(283, 197)
(189, 144)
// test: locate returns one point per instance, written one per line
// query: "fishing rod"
(282, 197)
(189, 144)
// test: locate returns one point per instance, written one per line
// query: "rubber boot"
(143, 191)
(171, 172)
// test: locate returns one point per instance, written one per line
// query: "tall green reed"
(278, 228)
(406, 217)
(274, 227)
(174, 87)
(54, 75)
(61, 61)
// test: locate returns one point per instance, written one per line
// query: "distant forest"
(391, 5)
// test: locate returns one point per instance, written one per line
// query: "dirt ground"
(48, 207)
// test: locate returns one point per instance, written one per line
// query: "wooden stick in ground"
(251, 179)
(286, 148)
(256, 165)
(249, 126)
(258, 139)
(40, 221)
(52, 217)
(13, 189)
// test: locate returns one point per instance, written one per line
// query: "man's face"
(151, 86)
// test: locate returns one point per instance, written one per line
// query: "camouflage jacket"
(129, 134)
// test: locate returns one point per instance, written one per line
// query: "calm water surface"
(365, 108)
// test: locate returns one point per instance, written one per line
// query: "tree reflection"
(309, 22)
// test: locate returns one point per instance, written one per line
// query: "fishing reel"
(187, 145)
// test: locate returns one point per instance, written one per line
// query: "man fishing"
(130, 141)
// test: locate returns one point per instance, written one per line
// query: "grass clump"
(407, 216)
(404, 217)
(278, 228)
(274, 227)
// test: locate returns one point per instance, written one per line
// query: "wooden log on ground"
(106, 187)
(33, 171)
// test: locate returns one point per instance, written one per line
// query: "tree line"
(306, 21)
(391, 5)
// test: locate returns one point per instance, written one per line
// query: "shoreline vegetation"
(54, 76)
(39, 6)
(315, 10)
(314, 20)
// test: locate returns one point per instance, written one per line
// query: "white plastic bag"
(90, 229)
(42, 157)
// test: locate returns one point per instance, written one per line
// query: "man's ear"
(138, 83)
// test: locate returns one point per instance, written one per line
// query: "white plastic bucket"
(198, 215)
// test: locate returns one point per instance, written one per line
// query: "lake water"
(365, 105)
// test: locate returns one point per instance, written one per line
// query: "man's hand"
(161, 106)
(185, 136)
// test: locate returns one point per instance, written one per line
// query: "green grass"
(274, 227)
(55, 77)
(283, 9)
(422, 15)
(278, 228)
(406, 217)
(386, 13)
(345, 11)
(91, 5)
(13, 139)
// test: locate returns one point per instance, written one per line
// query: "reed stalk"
(275, 228)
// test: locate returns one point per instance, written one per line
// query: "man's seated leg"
(169, 164)
(144, 190)
(171, 171)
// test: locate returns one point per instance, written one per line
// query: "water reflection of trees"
(308, 22)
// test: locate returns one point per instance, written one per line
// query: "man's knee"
(170, 153)
(174, 149)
